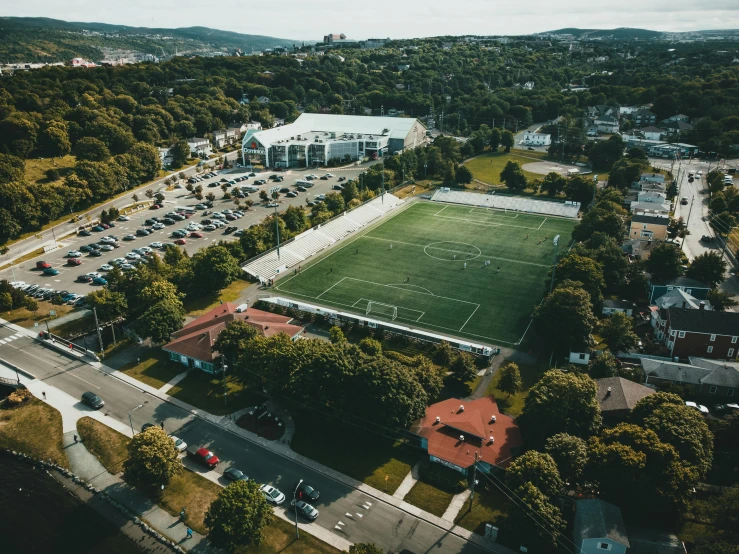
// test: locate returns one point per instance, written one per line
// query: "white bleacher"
(309, 243)
(506, 202)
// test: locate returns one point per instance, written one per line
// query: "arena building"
(315, 139)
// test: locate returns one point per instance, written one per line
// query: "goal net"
(382, 310)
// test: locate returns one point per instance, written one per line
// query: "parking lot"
(28, 272)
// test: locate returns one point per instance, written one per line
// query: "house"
(703, 376)
(536, 139)
(691, 286)
(263, 99)
(677, 118)
(455, 432)
(199, 147)
(165, 156)
(643, 118)
(253, 126)
(599, 526)
(404, 67)
(676, 127)
(618, 396)
(602, 109)
(648, 208)
(580, 357)
(606, 124)
(653, 541)
(650, 179)
(612, 306)
(679, 298)
(701, 332)
(649, 227)
(192, 345)
(652, 133)
(219, 138)
(278, 122)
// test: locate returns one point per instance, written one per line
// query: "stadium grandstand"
(504, 202)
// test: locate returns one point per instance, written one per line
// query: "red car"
(196, 235)
(105, 226)
(43, 265)
(204, 456)
(74, 261)
(180, 241)
(155, 207)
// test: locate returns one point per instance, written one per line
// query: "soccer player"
(497, 270)
(465, 265)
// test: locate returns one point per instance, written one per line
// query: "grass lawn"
(34, 428)
(369, 460)
(107, 445)
(487, 167)
(36, 169)
(412, 267)
(513, 405)
(488, 506)
(26, 318)
(429, 498)
(155, 369)
(198, 306)
(206, 392)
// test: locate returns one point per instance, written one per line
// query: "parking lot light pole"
(295, 503)
(130, 420)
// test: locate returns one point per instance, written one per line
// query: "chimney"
(702, 305)
(608, 391)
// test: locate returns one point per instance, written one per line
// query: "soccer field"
(411, 267)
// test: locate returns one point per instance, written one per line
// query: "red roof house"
(191, 345)
(455, 433)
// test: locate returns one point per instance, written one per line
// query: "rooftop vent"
(461, 438)
(608, 391)
(461, 407)
(438, 419)
(493, 419)
(492, 439)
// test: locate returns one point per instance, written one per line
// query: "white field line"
(468, 319)
(489, 210)
(482, 255)
(413, 291)
(441, 210)
(487, 224)
(332, 286)
(542, 223)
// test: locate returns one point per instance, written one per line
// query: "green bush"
(442, 477)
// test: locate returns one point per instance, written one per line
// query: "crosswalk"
(11, 338)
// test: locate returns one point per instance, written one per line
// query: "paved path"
(456, 505)
(408, 482)
(506, 355)
(176, 379)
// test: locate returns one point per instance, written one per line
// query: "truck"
(203, 456)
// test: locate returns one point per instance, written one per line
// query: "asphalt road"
(390, 528)
(65, 280)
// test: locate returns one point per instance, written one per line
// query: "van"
(303, 183)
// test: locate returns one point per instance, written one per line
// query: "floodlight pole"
(295, 504)
(554, 266)
(277, 231)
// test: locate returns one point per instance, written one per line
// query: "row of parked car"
(42, 293)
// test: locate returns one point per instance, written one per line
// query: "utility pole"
(225, 389)
(97, 326)
(112, 328)
(295, 503)
(474, 479)
(554, 265)
(277, 231)
(682, 244)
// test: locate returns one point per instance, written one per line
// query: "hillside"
(616, 34)
(37, 39)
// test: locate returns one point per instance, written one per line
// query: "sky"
(310, 20)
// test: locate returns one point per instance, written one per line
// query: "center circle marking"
(446, 250)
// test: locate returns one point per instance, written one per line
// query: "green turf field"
(414, 263)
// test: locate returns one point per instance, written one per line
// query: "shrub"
(442, 477)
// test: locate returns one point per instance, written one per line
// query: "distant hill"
(39, 39)
(616, 34)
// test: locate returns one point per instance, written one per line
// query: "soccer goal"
(382, 310)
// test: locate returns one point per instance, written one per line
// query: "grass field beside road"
(487, 167)
(155, 368)
(34, 428)
(107, 445)
(206, 392)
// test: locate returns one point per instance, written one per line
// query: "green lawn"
(488, 506)
(206, 392)
(513, 404)
(415, 263)
(487, 167)
(370, 460)
(36, 169)
(34, 428)
(154, 369)
(429, 498)
(200, 305)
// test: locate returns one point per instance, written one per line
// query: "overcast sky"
(311, 19)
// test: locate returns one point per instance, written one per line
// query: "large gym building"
(314, 139)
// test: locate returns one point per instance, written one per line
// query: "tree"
(238, 516)
(463, 368)
(721, 300)
(507, 140)
(365, 548)
(510, 379)
(618, 332)
(513, 176)
(110, 305)
(561, 403)
(541, 532)
(664, 262)
(570, 453)
(585, 270)
(600, 219)
(565, 319)
(605, 153)
(152, 460)
(553, 183)
(495, 137)
(580, 189)
(180, 153)
(463, 175)
(603, 365)
(162, 319)
(262, 196)
(336, 335)
(536, 468)
(295, 218)
(335, 203)
(233, 339)
(214, 268)
(708, 268)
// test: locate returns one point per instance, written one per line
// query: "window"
(730, 392)
(670, 288)
(672, 333)
(604, 546)
(730, 353)
(734, 339)
(582, 356)
(645, 226)
(681, 334)
(713, 338)
(713, 390)
(710, 349)
(689, 291)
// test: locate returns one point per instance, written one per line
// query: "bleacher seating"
(296, 251)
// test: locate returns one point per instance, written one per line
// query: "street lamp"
(131, 420)
(295, 504)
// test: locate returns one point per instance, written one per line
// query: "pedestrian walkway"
(176, 379)
(407, 484)
(456, 505)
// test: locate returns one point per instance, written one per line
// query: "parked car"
(180, 241)
(43, 265)
(304, 510)
(229, 230)
(107, 247)
(123, 218)
(74, 254)
(324, 178)
(196, 235)
(106, 267)
(203, 456)
(341, 179)
(93, 400)
(94, 254)
(133, 256)
(724, 409)
(233, 474)
(84, 279)
(98, 228)
(143, 232)
(337, 187)
(304, 491)
(684, 201)
(84, 233)
(156, 244)
(291, 194)
(99, 281)
(701, 408)
(272, 495)
(179, 444)
(51, 271)
(74, 261)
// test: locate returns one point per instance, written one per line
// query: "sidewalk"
(408, 482)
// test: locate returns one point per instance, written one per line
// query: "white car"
(272, 494)
(74, 254)
(218, 215)
(108, 240)
(106, 267)
(179, 444)
(219, 223)
(145, 250)
(227, 211)
(156, 244)
(133, 256)
(123, 218)
(210, 227)
(158, 226)
(699, 173)
(329, 174)
(126, 267)
(194, 226)
(106, 247)
(17, 284)
(700, 407)
(94, 274)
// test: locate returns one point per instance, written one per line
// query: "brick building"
(701, 332)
